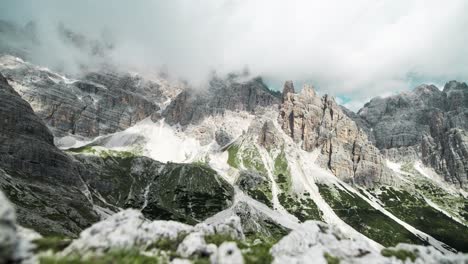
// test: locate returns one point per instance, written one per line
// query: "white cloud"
(359, 48)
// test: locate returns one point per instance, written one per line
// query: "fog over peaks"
(352, 49)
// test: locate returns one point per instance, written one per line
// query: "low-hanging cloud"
(357, 49)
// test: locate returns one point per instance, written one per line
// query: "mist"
(354, 50)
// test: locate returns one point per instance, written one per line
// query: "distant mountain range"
(106, 161)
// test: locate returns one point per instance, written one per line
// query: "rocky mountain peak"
(288, 88)
(426, 90)
(231, 93)
(317, 122)
(426, 124)
(455, 85)
(308, 90)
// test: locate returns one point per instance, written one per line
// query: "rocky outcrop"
(256, 223)
(232, 93)
(37, 177)
(426, 124)
(130, 230)
(326, 244)
(14, 248)
(8, 236)
(97, 103)
(318, 122)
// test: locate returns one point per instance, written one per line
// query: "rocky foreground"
(128, 237)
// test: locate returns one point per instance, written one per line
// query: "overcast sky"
(351, 49)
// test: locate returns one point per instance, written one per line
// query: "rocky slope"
(427, 124)
(318, 122)
(97, 104)
(34, 173)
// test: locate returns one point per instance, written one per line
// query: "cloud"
(358, 49)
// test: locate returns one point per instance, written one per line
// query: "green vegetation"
(167, 244)
(233, 161)
(408, 167)
(256, 185)
(262, 194)
(281, 172)
(256, 250)
(413, 209)
(218, 239)
(331, 259)
(400, 254)
(356, 212)
(257, 253)
(453, 203)
(240, 156)
(55, 244)
(103, 153)
(112, 257)
(187, 193)
(301, 206)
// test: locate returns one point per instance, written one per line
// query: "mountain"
(109, 162)
(426, 124)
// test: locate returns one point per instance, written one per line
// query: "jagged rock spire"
(288, 90)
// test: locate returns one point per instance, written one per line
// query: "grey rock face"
(318, 122)
(8, 237)
(26, 145)
(96, 104)
(37, 177)
(426, 124)
(222, 138)
(56, 194)
(233, 94)
(256, 223)
(269, 136)
(120, 180)
(14, 246)
(250, 180)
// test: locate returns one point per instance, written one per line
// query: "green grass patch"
(400, 254)
(55, 244)
(233, 160)
(104, 153)
(282, 173)
(413, 209)
(218, 239)
(112, 257)
(258, 253)
(455, 204)
(301, 206)
(167, 244)
(255, 250)
(369, 221)
(245, 157)
(331, 259)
